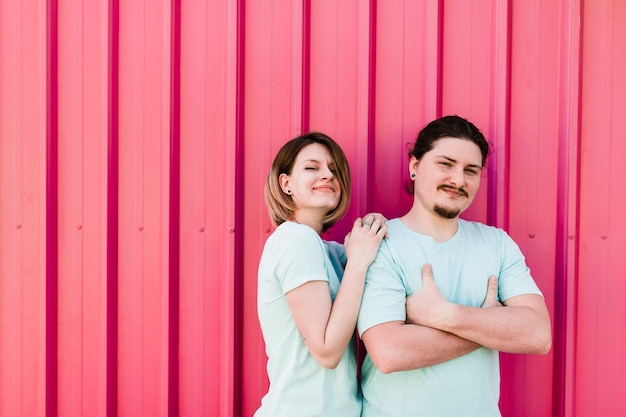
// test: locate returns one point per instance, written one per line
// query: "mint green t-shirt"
(469, 385)
(299, 386)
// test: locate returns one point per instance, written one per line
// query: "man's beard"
(446, 213)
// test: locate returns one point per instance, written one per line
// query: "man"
(433, 343)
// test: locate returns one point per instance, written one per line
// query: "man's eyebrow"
(447, 157)
(455, 161)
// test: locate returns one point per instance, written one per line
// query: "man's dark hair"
(451, 127)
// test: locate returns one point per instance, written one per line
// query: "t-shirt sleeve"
(300, 258)
(337, 252)
(515, 278)
(384, 296)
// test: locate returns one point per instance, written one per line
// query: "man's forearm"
(398, 346)
(522, 327)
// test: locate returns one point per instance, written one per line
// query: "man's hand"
(522, 325)
(427, 306)
(491, 299)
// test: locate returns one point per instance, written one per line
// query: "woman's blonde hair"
(281, 206)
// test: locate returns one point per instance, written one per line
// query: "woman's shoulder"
(289, 228)
(294, 234)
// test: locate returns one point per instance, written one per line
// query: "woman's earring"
(288, 191)
(413, 176)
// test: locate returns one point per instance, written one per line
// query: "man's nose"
(457, 177)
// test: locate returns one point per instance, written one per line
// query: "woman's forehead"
(314, 152)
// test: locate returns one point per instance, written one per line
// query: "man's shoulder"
(472, 226)
(492, 236)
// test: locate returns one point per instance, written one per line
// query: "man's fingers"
(491, 299)
(427, 275)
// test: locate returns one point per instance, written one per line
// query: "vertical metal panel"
(144, 146)
(24, 340)
(407, 88)
(566, 270)
(209, 95)
(467, 72)
(532, 169)
(273, 112)
(601, 301)
(82, 220)
(340, 90)
(135, 138)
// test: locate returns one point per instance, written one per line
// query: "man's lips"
(452, 190)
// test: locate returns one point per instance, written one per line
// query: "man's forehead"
(457, 149)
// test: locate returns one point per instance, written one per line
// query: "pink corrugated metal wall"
(135, 137)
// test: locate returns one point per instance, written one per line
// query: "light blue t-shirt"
(299, 386)
(466, 386)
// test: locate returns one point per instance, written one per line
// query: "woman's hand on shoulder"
(371, 217)
(361, 244)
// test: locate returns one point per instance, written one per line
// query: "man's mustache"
(458, 190)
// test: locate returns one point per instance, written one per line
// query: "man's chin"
(446, 213)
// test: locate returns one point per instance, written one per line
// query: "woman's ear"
(284, 183)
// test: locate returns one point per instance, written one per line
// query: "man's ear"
(413, 163)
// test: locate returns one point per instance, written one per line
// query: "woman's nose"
(327, 173)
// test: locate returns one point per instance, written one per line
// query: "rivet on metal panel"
(531, 235)
(231, 229)
(18, 226)
(267, 230)
(570, 237)
(200, 229)
(604, 236)
(140, 228)
(78, 227)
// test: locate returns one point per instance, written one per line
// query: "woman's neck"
(314, 221)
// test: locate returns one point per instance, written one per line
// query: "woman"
(307, 318)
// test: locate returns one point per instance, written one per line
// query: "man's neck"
(431, 224)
